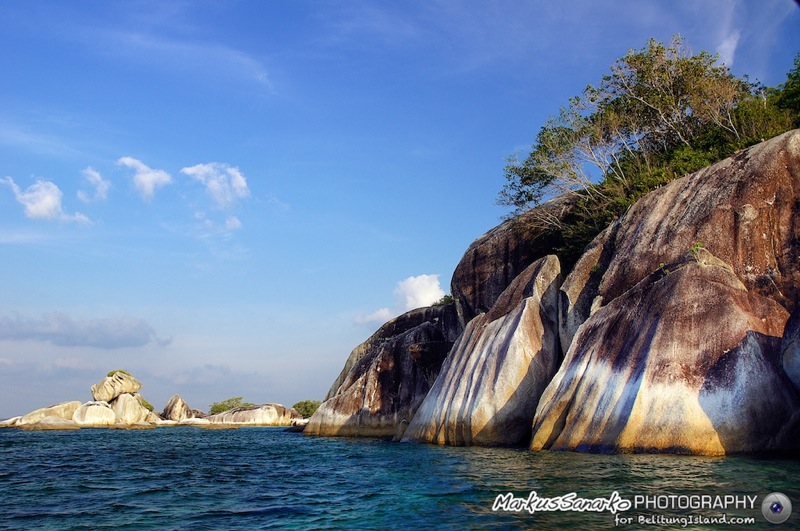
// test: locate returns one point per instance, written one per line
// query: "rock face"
(790, 349)
(744, 209)
(443, 318)
(95, 414)
(129, 410)
(112, 386)
(263, 415)
(490, 384)
(686, 361)
(495, 259)
(64, 410)
(50, 423)
(390, 375)
(176, 409)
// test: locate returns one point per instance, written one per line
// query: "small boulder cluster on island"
(117, 404)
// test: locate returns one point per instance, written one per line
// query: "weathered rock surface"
(489, 386)
(263, 415)
(444, 318)
(744, 209)
(63, 410)
(10, 423)
(177, 409)
(686, 361)
(391, 375)
(95, 414)
(50, 423)
(128, 409)
(495, 259)
(112, 386)
(790, 349)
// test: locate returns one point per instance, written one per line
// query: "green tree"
(307, 407)
(228, 404)
(660, 113)
(654, 101)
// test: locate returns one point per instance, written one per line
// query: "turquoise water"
(266, 478)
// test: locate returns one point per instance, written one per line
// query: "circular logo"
(776, 508)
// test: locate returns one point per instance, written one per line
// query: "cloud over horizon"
(61, 330)
(411, 293)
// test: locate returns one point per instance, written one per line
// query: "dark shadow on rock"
(750, 401)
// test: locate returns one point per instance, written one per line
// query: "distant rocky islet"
(117, 404)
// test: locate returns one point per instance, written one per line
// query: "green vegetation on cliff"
(660, 113)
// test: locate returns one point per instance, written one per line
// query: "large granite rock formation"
(743, 209)
(389, 376)
(263, 415)
(490, 384)
(444, 318)
(95, 414)
(177, 409)
(129, 409)
(495, 259)
(685, 361)
(63, 410)
(790, 349)
(112, 386)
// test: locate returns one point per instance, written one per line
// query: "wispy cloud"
(61, 330)
(208, 60)
(101, 186)
(145, 179)
(413, 292)
(42, 200)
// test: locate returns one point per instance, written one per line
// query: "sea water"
(267, 478)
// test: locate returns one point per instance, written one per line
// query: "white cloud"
(61, 330)
(414, 292)
(146, 179)
(233, 223)
(42, 200)
(419, 291)
(224, 183)
(101, 186)
(378, 316)
(727, 48)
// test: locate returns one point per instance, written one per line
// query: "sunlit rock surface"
(686, 361)
(95, 414)
(263, 415)
(112, 386)
(489, 386)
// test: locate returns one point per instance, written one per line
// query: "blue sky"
(226, 197)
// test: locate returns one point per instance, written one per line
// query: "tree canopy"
(660, 112)
(307, 407)
(228, 404)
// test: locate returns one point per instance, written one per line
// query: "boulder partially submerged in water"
(129, 409)
(687, 361)
(177, 409)
(490, 383)
(95, 414)
(664, 351)
(63, 410)
(389, 375)
(263, 415)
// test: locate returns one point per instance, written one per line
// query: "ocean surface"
(267, 478)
